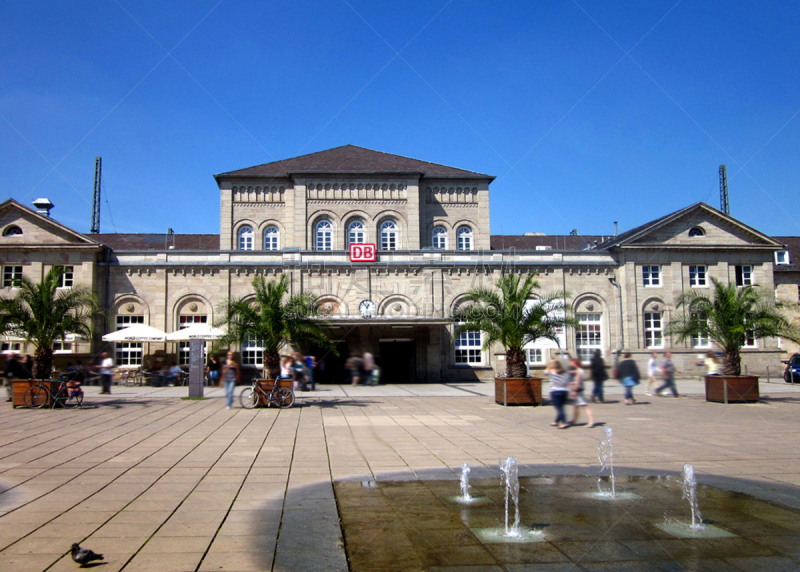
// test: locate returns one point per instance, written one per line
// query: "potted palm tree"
(44, 313)
(273, 318)
(513, 315)
(728, 318)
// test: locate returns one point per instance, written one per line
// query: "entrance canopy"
(136, 333)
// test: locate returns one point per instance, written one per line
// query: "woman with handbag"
(577, 388)
(628, 376)
(599, 375)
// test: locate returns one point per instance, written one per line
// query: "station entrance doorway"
(398, 361)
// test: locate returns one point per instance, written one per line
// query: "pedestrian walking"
(599, 375)
(577, 388)
(298, 371)
(652, 371)
(628, 375)
(106, 372)
(13, 370)
(213, 371)
(668, 370)
(311, 365)
(369, 365)
(231, 375)
(713, 364)
(559, 390)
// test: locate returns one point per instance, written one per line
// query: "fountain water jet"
(510, 480)
(465, 496)
(605, 452)
(690, 494)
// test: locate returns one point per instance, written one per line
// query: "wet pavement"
(155, 482)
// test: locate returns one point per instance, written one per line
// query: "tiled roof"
(352, 159)
(158, 241)
(555, 242)
(793, 246)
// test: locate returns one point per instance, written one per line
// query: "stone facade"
(623, 289)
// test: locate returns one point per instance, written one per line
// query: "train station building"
(430, 227)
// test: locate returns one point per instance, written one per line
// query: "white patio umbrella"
(197, 331)
(136, 333)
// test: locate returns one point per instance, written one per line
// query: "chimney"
(43, 206)
(616, 228)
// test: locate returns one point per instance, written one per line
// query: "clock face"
(367, 308)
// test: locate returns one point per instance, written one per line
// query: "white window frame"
(653, 330)
(11, 275)
(700, 342)
(744, 274)
(698, 276)
(272, 238)
(67, 276)
(12, 230)
(389, 235)
(468, 348)
(782, 257)
(356, 233)
(651, 276)
(464, 238)
(439, 238)
(11, 346)
(750, 340)
(535, 356)
(128, 353)
(245, 237)
(252, 353)
(588, 334)
(184, 321)
(60, 347)
(323, 235)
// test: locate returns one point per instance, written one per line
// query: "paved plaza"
(160, 483)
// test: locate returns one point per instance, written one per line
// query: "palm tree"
(729, 317)
(45, 313)
(272, 321)
(514, 317)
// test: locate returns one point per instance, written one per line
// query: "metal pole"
(767, 374)
(725, 390)
(505, 392)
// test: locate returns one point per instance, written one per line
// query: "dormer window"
(696, 231)
(782, 257)
(12, 230)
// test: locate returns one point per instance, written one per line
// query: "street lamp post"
(617, 285)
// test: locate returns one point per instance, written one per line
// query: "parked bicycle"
(39, 395)
(256, 395)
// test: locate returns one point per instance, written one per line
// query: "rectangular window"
(183, 347)
(11, 346)
(62, 347)
(128, 353)
(651, 276)
(701, 341)
(750, 339)
(782, 257)
(698, 276)
(535, 356)
(588, 335)
(252, 353)
(653, 330)
(11, 276)
(468, 348)
(744, 275)
(67, 276)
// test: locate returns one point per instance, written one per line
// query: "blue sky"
(587, 112)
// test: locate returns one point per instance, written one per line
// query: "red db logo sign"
(362, 253)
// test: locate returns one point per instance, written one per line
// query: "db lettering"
(362, 253)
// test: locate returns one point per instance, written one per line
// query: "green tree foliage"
(513, 314)
(44, 313)
(728, 316)
(272, 318)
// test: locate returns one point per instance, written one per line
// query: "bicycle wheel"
(36, 396)
(285, 397)
(71, 402)
(248, 398)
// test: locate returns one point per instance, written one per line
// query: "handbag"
(629, 381)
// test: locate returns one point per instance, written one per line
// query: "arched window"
(272, 238)
(464, 238)
(389, 235)
(323, 235)
(12, 230)
(440, 238)
(696, 231)
(356, 233)
(246, 238)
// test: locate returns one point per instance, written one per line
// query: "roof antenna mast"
(96, 201)
(724, 205)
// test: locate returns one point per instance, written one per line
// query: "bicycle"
(38, 395)
(277, 396)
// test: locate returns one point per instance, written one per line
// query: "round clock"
(367, 308)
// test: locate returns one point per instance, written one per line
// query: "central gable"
(21, 226)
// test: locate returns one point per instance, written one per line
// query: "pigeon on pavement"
(83, 555)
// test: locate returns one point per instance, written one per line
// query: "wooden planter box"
(266, 384)
(20, 386)
(518, 390)
(732, 388)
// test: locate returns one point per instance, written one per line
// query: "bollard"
(767, 374)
